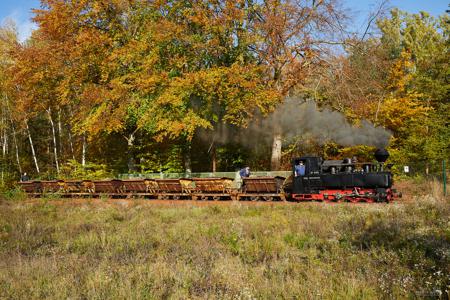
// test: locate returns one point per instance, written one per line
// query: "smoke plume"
(297, 118)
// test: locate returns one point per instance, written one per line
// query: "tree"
(8, 132)
(398, 80)
(292, 39)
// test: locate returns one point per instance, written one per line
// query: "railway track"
(98, 202)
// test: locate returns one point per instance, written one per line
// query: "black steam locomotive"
(334, 180)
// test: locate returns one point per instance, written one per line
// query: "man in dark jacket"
(24, 177)
(245, 172)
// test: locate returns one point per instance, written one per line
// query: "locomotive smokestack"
(381, 155)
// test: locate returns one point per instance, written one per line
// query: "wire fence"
(427, 169)
(430, 170)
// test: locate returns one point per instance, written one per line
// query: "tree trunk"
(32, 147)
(5, 143)
(83, 151)
(60, 133)
(187, 158)
(131, 162)
(16, 147)
(275, 161)
(71, 144)
(55, 150)
(69, 130)
(4, 135)
(214, 158)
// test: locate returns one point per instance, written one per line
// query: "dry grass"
(311, 251)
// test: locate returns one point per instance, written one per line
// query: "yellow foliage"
(397, 112)
(401, 72)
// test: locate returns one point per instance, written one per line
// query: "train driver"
(300, 169)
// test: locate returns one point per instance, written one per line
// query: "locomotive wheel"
(369, 200)
(353, 200)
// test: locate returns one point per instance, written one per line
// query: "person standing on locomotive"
(300, 169)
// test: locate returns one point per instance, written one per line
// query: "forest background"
(122, 86)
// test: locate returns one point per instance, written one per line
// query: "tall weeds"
(223, 252)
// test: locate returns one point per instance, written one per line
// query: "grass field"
(101, 250)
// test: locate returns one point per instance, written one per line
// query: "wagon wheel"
(268, 198)
(388, 198)
(244, 188)
(338, 197)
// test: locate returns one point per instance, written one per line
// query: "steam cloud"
(298, 118)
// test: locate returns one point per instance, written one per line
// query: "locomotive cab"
(306, 183)
(312, 164)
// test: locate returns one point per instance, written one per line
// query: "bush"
(74, 170)
(14, 194)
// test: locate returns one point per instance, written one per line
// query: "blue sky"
(361, 8)
(20, 11)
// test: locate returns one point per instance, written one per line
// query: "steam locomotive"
(334, 180)
(322, 180)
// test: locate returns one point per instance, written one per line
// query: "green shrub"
(15, 194)
(75, 170)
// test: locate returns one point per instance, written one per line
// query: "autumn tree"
(418, 45)
(9, 139)
(292, 41)
(397, 80)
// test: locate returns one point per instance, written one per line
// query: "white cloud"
(23, 24)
